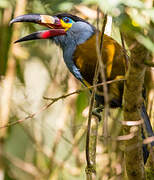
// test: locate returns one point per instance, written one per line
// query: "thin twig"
(124, 50)
(25, 166)
(103, 30)
(84, 89)
(90, 169)
(88, 129)
(102, 72)
(63, 96)
(55, 100)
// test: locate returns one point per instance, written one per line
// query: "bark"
(132, 101)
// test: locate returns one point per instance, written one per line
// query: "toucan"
(77, 39)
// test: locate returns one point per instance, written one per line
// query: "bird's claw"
(96, 112)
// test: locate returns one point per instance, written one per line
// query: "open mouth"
(51, 22)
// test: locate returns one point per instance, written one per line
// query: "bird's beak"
(51, 22)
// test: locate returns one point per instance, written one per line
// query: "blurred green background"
(51, 145)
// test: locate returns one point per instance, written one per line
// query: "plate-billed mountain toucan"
(77, 39)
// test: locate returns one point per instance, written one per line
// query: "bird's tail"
(149, 131)
(147, 123)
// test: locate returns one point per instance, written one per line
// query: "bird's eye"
(67, 20)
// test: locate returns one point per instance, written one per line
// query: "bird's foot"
(96, 112)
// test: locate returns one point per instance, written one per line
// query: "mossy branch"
(132, 101)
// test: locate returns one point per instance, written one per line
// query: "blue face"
(68, 20)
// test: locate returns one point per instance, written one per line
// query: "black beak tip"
(15, 41)
(19, 40)
(14, 21)
(11, 22)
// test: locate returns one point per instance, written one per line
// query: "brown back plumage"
(85, 58)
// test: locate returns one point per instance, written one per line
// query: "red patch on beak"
(52, 33)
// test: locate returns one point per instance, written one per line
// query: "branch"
(132, 100)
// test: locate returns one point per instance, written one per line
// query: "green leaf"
(146, 42)
(134, 3)
(108, 5)
(4, 4)
(149, 13)
(66, 6)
